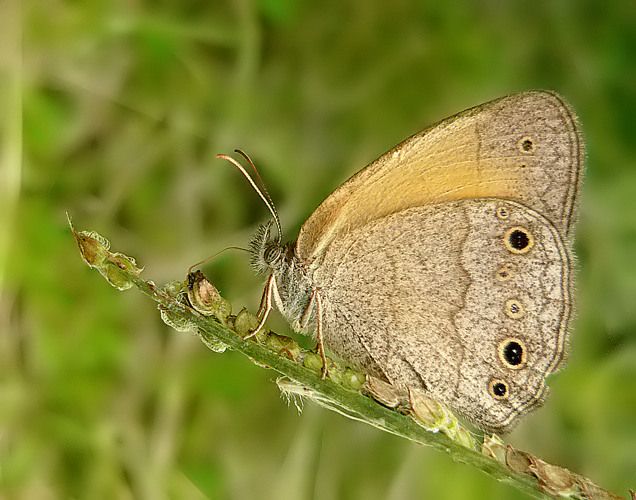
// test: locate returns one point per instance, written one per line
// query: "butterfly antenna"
(262, 192)
(208, 259)
(261, 184)
(259, 179)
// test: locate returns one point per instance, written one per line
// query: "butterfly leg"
(304, 319)
(321, 346)
(314, 302)
(266, 306)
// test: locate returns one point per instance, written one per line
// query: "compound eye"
(272, 253)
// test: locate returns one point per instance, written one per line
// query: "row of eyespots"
(517, 240)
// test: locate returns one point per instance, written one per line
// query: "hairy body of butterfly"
(445, 265)
(291, 287)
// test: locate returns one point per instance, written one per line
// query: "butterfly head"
(267, 251)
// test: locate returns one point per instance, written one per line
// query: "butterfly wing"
(470, 301)
(524, 147)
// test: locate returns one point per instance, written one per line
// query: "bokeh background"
(113, 111)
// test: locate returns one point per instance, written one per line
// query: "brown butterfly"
(445, 266)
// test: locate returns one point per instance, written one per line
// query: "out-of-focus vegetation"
(122, 106)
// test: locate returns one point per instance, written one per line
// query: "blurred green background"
(114, 110)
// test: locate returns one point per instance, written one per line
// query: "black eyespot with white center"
(518, 240)
(512, 353)
(498, 389)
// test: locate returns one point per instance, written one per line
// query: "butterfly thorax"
(293, 286)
